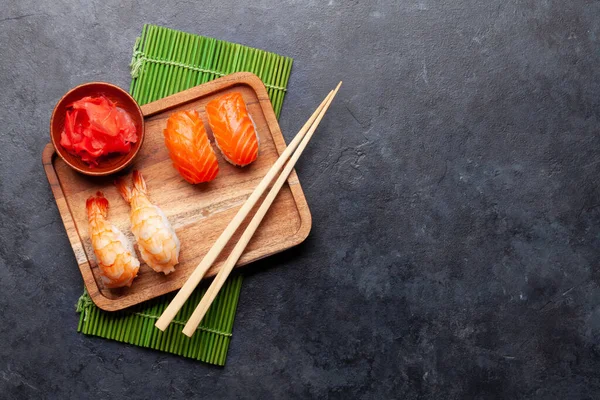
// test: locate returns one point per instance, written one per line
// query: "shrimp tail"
(138, 182)
(98, 202)
(124, 189)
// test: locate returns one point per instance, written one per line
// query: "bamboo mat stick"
(217, 284)
(210, 257)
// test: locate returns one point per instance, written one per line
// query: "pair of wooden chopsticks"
(299, 142)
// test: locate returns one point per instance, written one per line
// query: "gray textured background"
(453, 187)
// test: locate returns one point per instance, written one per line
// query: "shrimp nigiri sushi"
(189, 147)
(233, 129)
(156, 239)
(116, 257)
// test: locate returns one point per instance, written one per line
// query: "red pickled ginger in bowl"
(95, 127)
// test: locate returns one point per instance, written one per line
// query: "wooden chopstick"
(219, 281)
(190, 284)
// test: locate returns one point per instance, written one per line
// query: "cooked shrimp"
(156, 239)
(114, 252)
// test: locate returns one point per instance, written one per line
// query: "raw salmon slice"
(233, 129)
(189, 147)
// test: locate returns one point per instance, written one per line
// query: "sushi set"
(198, 213)
(123, 174)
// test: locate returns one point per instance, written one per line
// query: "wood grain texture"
(198, 213)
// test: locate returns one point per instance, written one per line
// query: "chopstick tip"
(160, 325)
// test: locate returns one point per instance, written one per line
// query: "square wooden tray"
(198, 213)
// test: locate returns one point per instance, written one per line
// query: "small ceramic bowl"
(112, 163)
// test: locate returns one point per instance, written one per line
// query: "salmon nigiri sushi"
(233, 129)
(189, 147)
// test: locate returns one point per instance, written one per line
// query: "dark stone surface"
(453, 186)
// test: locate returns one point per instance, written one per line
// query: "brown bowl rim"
(132, 154)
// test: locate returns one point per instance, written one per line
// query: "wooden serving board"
(198, 213)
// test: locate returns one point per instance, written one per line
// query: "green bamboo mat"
(164, 62)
